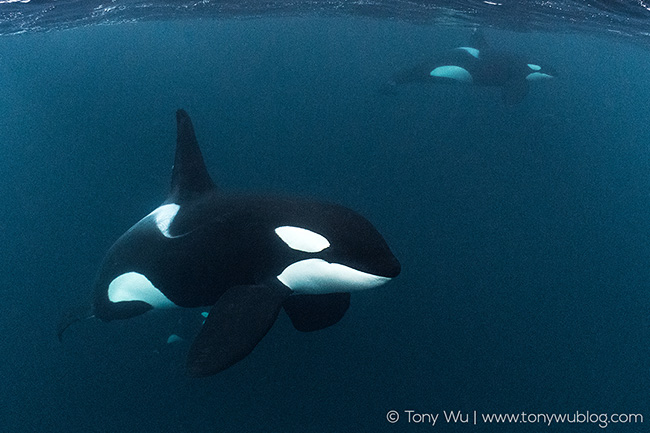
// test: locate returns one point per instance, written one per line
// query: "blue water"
(522, 230)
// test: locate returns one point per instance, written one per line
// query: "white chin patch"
(473, 51)
(302, 239)
(163, 217)
(534, 67)
(536, 76)
(454, 72)
(316, 276)
(133, 286)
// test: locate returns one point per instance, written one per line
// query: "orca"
(245, 257)
(478, 64)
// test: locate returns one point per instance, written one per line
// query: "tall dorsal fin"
(477, 40)
(190, 177)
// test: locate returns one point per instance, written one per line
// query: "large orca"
(246, 257)
(481, 65)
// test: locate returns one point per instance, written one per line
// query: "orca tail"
(71, 317)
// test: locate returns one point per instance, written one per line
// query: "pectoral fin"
(236, 323)
(315, 312)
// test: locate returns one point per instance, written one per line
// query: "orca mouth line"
(389, 267)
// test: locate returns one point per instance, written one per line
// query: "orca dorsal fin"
(190, 177)
(477, 40)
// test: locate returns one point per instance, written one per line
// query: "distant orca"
(478, 64)
(245, 256)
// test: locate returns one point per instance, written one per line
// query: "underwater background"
(523, 231)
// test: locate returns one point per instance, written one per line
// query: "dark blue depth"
(522, 231)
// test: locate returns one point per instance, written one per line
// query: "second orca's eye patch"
(301, 239)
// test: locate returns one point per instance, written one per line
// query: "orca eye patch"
(301, 239)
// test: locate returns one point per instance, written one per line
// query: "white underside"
(133, 286)
(454, 72)
(316, 276)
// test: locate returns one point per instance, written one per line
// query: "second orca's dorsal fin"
(190, 177)
(477, 40)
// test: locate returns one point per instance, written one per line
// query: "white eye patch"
(302, 239)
